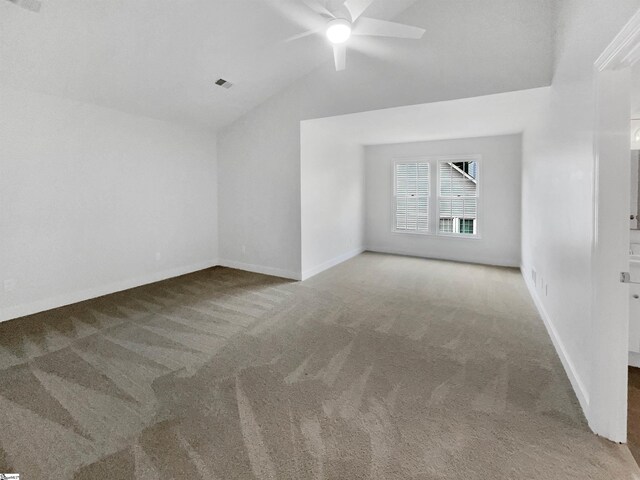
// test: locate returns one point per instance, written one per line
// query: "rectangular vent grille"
(224, 83)
(33, 5)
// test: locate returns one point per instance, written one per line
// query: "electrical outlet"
(10, 285)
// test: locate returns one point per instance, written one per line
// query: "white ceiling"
(160, 58)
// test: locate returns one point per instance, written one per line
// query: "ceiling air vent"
(224, 83)
(33, 5)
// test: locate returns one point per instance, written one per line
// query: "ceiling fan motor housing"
(338, 30)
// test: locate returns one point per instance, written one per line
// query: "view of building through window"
(458, 197)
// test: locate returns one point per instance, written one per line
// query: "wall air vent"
(224, 83)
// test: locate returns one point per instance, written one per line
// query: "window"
(454, 211)
(467, 226)
(458, 197)
(411, 192)
(446, 225)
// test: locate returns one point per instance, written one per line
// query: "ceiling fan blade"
(32, 5)
(301, 35)
(340, 56)
(298, 13)
(382, 28)
(357, 7)
(318, 8)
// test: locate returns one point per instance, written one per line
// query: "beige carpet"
(384, 367)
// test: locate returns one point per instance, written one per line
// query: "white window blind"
(412, 196)
(458, 197)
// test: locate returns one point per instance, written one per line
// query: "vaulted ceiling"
(160, 58)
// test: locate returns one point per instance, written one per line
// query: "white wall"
(635, 91)
(499, 215)
(93, 201)
(259, 190)
(332, 198)
(558, 206)
(496, 46)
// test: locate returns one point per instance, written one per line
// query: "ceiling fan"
(33, 5)
(344, 18)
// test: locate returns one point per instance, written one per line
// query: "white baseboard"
(310, 272)
(75, 297)
(248, 267)
(475, 260)
(634, 359)
(576, 382)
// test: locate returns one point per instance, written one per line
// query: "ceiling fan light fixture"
(338, 30)
(338, 22)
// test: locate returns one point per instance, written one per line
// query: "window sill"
(409, 232)
(438, 235)
(460, 235)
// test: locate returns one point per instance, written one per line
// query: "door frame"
(610, 241)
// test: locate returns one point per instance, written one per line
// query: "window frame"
(394, 198)
(434, 162)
